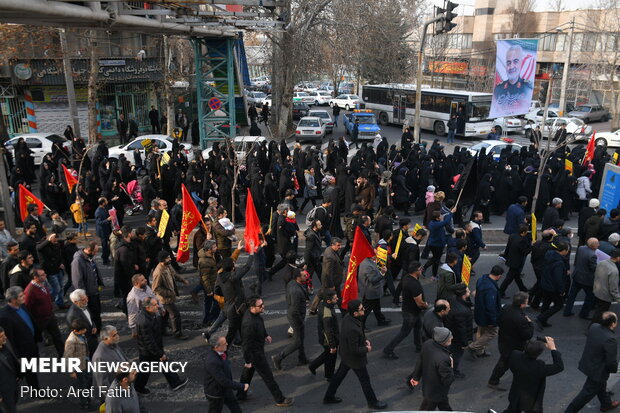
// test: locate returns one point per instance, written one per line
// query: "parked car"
(607, 139)
(311, 128)
(494, 146)
(268, 101)
(367, 128)
(346, 88)
(556, 106)
(347, 102)
(303, 97)
(325, 117)
(300, 110)
(509, 124)
(163, 142)
(258, 98)
(40, 144)
(261, 81)
(321, 97)
(242, 145)
(536, 116)
(590, 113)
(574, 126)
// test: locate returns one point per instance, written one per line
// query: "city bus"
(395, 103)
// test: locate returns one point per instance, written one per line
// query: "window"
(547, 42)
(33, 143)
(411, 101)
(589, 42)
(442, 104)
(460, 41)
(136, 145)
(560, 43)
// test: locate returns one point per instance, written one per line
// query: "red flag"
(69, 178)
(252, 224)
(360, 251)
(590, 150)
(191, 217)
(26, 198)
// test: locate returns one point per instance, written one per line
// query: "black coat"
(50, 255)
(529, 379)
(74, 313)
(514, 330)
(9, 371)
(150, 340)
(599, 358)
(124, 261)
(328, 325)
(550, 217)
(585, 265)
(353, 351)
(253, 334)
(516, 250)
(19, 334)
(218, 376)
(460, 321)
(29, 244)
(435, 370)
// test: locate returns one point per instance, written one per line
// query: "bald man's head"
(442, 307)
(593, 243)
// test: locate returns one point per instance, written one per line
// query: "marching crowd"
(353, 198)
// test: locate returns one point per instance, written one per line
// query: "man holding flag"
(361, 250)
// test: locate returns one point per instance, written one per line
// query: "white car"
(509, 124)
(574, 126)
(494, 146)
(321, 97)
(258, 98)
(242, 145)
(536, 116)
(39, 143)
(311, 128)
(347, 102)
(268, 101)
(163, 142)
(325, 117)
(303, 97)
(607, 139)
(260, 81)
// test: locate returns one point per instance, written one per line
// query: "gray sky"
(467, 7)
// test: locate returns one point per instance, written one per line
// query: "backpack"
(312, 214)
(349, 227)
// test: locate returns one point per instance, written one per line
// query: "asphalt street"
(387, 376)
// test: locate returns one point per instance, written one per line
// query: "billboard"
(610, 187)
(515, 67)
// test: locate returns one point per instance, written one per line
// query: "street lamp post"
(564, 84)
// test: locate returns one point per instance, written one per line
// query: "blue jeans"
(55, 281)
(83, 227)
(336, 120)
(451, 134)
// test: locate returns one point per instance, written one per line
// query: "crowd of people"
(363, 190)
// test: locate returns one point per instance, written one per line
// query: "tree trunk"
(615, 110)
(92, 91)
(168, 97)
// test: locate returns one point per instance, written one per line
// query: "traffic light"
(542, 93)
(447, 14)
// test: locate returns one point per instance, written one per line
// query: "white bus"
(395, 103)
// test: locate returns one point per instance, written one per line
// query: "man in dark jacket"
(7, 265)
(515, 216)
(539, 250)
(79, 310)
(20, 329)
(153, 243)
(85, 275)
(231, 282)
(515, 329)
(50, 255)
(435, 368)
(125, 266)
(371, 289)
(9, 371)
(333, 267)
(296, 299)
(553, 284)
(518, 247)
(552, 214)
(584, 214)
(218, 384)
(151, 345)
(19, 276)
(609, 225)
(34, 218)
(598, 361)
(434, 318)
(314, 249)
(529, 376)
(460, 322)
(28, 241)
(103, 222)
(254, 336)
(487, 309)
(583, 278)
(354, 349)
(327, 325)
(399, 257)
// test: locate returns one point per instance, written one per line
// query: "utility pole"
(66, 61)
(444, 17)
(5, 195)
(564, 84)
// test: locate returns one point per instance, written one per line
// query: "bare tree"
(556, 5)
(92, 88)
(522, 17)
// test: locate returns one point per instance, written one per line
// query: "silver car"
(310, 128)
(590, 113)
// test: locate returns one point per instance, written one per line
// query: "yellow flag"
(568, 165)
(165, 159)
(400, 238)
(533, 227)
(163, 223)
(416, 228)
(466, 270)
(615, 157)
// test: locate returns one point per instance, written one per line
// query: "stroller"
(135, 194)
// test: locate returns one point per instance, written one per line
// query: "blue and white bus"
(395, 103)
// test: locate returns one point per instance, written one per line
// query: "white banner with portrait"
(515, 68)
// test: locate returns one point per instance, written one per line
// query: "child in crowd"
(76, 346)
(79, 217)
